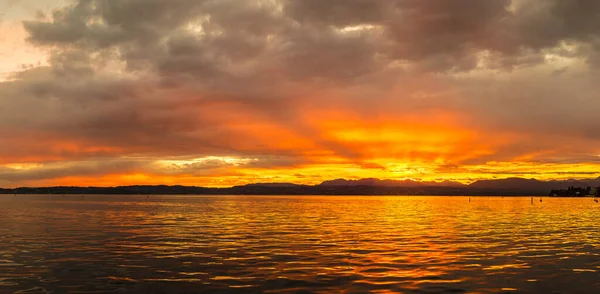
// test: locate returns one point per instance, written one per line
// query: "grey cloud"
(446, 30)
(437, 35)
(548, 22)
(103, 23)
(75, 63)
(560, 71)
(336, 12)
(565, 105)
(324, 56)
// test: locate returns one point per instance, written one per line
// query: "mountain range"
(368, 186)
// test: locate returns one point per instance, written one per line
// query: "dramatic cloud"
(223, 92)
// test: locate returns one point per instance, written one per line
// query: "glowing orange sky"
(278, 94)
(431, 149)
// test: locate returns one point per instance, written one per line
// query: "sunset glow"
(190, 95)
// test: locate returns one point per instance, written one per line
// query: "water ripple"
(124, 244)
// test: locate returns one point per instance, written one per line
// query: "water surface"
(250, 244)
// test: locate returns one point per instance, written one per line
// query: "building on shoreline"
(573, 191)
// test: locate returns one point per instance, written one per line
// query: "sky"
(228, 92)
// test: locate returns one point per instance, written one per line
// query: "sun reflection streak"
(359, 244)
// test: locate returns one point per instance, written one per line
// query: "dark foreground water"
(246, 244)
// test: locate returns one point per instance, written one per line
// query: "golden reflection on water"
(298, 243)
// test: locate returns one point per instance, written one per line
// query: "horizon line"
(417, 181)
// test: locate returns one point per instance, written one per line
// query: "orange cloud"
(287, 103)
(320, 143)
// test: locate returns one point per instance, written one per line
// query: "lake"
(295, 244)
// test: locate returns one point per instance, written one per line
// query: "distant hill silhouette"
(532, 184)
(270, 185)
(511, 183)
(389, 183)
(369, 186)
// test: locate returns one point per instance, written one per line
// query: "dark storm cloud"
(445, 35)
(103, 23)
(547, 22)
(441, 34)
